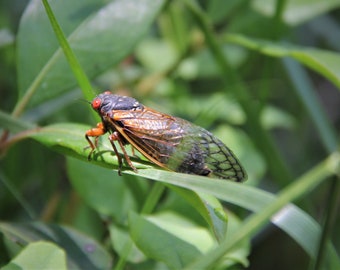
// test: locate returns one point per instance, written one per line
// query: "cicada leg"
(133, 151)
(116, 137)
(94, 132)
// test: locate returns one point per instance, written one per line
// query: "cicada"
(169, 142)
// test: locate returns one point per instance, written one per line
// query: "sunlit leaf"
(100, 33)
(321, 61)
(50, 257)
(297, 11)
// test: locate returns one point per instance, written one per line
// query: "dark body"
(170, 142)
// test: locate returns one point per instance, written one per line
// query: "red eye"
(96, 103)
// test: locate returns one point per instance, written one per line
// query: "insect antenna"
(84, 100)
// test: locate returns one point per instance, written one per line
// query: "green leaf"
(290, 219)
(297, 11)
(100, 33)
(202, 64)
(72, 60)
(209, 208)
(121, 242)
(82, 251)
(179, 240)
(6, 37)
(219, 10)
(169, 231)
(150, 51)
(239, 255)
(321, 61)
(102, 189)
(107, 192)
(69, 139)
(273, 117)
(39, 255)
(277, 211)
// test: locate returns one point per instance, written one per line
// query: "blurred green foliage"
(263, 76)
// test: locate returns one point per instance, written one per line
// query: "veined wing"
(154, 134)
(177, 144)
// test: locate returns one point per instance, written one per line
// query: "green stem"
(277, 19)
(153, 198)
(329, 219)
(22, 103)
(77, 70)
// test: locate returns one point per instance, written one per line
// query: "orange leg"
(94, 132)
(116, 137)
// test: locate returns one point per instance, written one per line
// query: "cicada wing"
(200, 152)
(221, 160)
(154, 134)
(179, 145)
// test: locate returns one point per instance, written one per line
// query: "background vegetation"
(263, 76)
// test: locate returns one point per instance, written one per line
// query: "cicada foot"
(91, 145)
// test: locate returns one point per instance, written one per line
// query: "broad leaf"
(296, 11)
(321, 61)
(103, 189)
(179, 241)
(82, 251)
(100, 33)
(68, 139)
(49, 256)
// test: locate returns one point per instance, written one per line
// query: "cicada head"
(107, 102)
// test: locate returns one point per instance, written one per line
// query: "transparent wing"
(177, 144)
